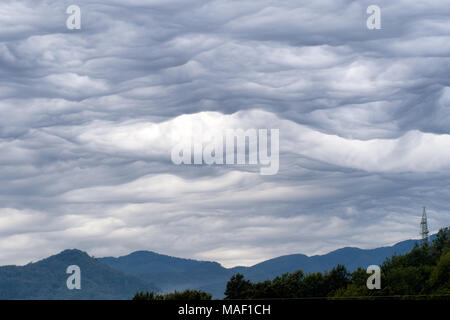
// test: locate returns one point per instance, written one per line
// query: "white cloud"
(89, 119)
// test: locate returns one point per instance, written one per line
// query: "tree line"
(422, 273)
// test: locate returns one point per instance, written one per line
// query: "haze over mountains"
(120, 278)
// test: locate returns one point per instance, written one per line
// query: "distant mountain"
(170, 273)
(47, 278)
(351, 257)
(122, 277)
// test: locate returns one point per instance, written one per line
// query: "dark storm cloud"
(89, 118)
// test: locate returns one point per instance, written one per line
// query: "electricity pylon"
(424, 227)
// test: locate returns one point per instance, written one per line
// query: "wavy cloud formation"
(90, 117)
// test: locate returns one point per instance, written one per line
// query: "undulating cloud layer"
(90, 116)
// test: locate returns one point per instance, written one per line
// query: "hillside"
(122, 277)
(170, 273)
(422, 273)
(46, 279)
(351, 257)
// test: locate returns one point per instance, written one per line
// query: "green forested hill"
(121, 278)
(422, 273)
(46, 279)
(171, 273)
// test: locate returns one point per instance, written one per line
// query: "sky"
(89, 118)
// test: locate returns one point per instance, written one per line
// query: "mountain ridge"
(212, 277)
(46, 279)
(121, 277)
